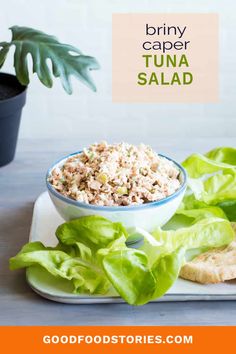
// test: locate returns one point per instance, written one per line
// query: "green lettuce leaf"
(187, 217)
(209, 232)
(229, 208)
(201, 235)
(93, 231)
(215, 189)
(78, 249)
(130, 275)
(166, 271)
(212, 178)
(223, 154)
(220, 159)
(86, 277)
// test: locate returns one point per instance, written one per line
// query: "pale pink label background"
(128, 36)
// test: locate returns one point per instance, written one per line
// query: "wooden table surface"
(20, 184)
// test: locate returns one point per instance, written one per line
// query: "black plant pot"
(12, 100)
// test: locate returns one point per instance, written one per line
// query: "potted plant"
(66, 60)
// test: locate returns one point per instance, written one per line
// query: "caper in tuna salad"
(116, 175)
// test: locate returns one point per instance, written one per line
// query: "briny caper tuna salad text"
(116, 175)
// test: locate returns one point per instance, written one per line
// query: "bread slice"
(214, 266)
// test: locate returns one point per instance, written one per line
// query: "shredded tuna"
(116, 175)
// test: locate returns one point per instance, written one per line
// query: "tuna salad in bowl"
(122, 182)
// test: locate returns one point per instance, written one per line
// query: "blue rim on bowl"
(115, 208)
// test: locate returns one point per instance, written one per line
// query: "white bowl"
(146, 216)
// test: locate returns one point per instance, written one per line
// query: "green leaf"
(191, 234)
(4, 49)
(229, 207)
(65, 59)
(94, 231)
(86, 276)
(166, 271)
(130, 275)
(186, 218)
(213, 178)
(223, 154)
(208, 232)
(198, 165)
(78, 249)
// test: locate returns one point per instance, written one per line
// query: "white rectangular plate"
(44, 223)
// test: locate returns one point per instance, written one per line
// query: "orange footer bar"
(116, 339)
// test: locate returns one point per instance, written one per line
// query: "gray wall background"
(92, 116)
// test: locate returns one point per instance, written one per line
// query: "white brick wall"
(87, 24)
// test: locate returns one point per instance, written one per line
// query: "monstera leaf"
(3, 52)
(50, 58)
